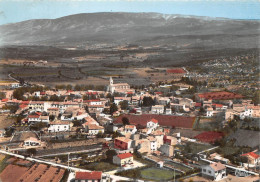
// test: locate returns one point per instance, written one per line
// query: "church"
(119, 87)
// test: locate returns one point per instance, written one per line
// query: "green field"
(100, 166)
(157, 174)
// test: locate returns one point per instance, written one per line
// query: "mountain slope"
(147, 28)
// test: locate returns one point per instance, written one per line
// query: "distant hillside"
(133, 28)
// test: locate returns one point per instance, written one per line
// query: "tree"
(123, 104)
(148, 101)
(113, 108)
(110, 154)
(69, 87)
(31, 151)
(38, 126)
(12, 108)
(125, 121)
(2, 95)
(76, 123)
(248, 121)
(51, 117)
(256, 98)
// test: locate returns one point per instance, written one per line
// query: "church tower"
(111, 81)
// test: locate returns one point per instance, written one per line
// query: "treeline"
(81, 87)
(19, 92)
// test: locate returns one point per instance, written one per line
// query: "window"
(204, 170)
(209, 171)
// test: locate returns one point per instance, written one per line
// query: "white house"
(117, 100)
(123, 159)
(153, 143)
(130, 129)
(32, 142)
(158, 109)
(94, 102)
(152, 125)
(58, 126)
(210, 112)
(215, 171)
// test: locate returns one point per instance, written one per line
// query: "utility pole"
(174, 173)
(68, 160)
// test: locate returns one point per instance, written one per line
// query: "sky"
(12, 11)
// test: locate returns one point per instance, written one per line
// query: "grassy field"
(6, 121)
(100, 166)
(3, 163)
(194, 148)
(157, 174)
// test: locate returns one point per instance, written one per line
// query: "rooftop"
(125, 155)
(94, 175)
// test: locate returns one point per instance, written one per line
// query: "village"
(165, 131)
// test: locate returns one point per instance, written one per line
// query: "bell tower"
(111, 82)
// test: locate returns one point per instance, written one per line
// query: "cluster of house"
(225, 105)
(151, 139)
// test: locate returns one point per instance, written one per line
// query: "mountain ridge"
(118, 28)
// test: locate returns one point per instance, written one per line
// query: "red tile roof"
(4, 100)
(90, 93)
(94, 100)
(154, 120)
(209, 136)
(94, 175)
(222, 95)
(125, 155)
(163, 120)
(217, 105)
(176, 70)
(25, 102)
(198, 104)
(251, 154)
(23, 106)
(158, 93)
(33, 116)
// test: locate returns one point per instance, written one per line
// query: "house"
(164, 100)
(210, 112)
(143, 145)
(94, 129)
(215, 171)
(152, 125)
(2, 133)
(157, 109)
(32, 141)
(58, 126)
(130, 129)
(153, 143)
(93, 102)
(94, 176)
(122, 143)
(34, 118)
(252, 158)
(117, 100)
(170, 140)
(167, 150)
(218, 158)
(53, 111)
(123, 159)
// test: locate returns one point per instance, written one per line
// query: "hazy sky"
(18, 10)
